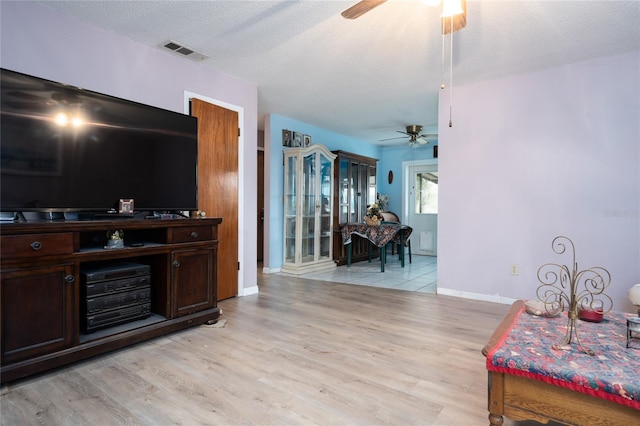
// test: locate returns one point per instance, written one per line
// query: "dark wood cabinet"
(355, 189)
(41, 290)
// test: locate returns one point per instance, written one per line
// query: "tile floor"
(419, 275)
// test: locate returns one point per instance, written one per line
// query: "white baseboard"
(476, 296)
(248, 291)
(266, 270)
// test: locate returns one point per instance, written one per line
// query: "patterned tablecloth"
(378, 235)
(613, 373)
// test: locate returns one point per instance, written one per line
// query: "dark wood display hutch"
(355, 189)
(41, 279)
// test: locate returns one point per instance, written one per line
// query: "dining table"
(379, 236)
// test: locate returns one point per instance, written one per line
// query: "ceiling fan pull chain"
(451, 76)
(442, 64)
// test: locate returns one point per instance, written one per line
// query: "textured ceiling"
(369, 77)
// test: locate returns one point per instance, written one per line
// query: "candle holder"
(573, 290)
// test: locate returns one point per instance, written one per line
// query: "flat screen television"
(67, 149)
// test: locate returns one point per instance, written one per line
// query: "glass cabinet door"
(373, 186)
(308, 197)
(324, 206)
(290, 180)
(354, 196)
(344, 190)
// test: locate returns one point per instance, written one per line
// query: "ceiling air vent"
(183, 51)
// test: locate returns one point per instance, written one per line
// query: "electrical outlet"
(515, 270)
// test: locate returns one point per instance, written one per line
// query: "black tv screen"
(68, 149)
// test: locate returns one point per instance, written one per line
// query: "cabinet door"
(39, 313)
(308, 198)
(325, 210)
(193, 275)
(344, 191)
(290, 207)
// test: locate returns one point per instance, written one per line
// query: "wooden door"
(218, 185)
(260, 206)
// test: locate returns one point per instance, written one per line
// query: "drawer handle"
(69, 278)
(194, 234)
(36, 245)
(176, 263)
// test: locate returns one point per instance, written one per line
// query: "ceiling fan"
(415, 135)
(449, 23)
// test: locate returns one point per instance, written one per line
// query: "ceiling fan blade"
(459, 21)
(361, 8)
(391, 139)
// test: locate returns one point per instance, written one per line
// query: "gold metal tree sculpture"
(573, 290)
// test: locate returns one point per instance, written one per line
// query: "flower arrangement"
(383, 201)
(373, 216)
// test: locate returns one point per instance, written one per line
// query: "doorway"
(420, 204)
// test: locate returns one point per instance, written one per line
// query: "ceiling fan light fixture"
(454, 16)
(451, 8)
(414, 129)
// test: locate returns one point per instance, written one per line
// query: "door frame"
(406, 185)
(240, 110)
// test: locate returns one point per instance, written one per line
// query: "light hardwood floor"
(301, 352)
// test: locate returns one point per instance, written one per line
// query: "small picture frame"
(306, 140)
(125, 206)
(297, 140)
(286, 137)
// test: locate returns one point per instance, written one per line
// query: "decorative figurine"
(115, 240)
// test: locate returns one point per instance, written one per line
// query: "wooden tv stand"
(41, 302)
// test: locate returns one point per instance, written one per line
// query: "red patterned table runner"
(613, 373)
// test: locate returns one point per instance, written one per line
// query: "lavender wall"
(39, 41)
(535, 156)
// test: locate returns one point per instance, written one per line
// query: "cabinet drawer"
(16, 246)
(188, 235)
